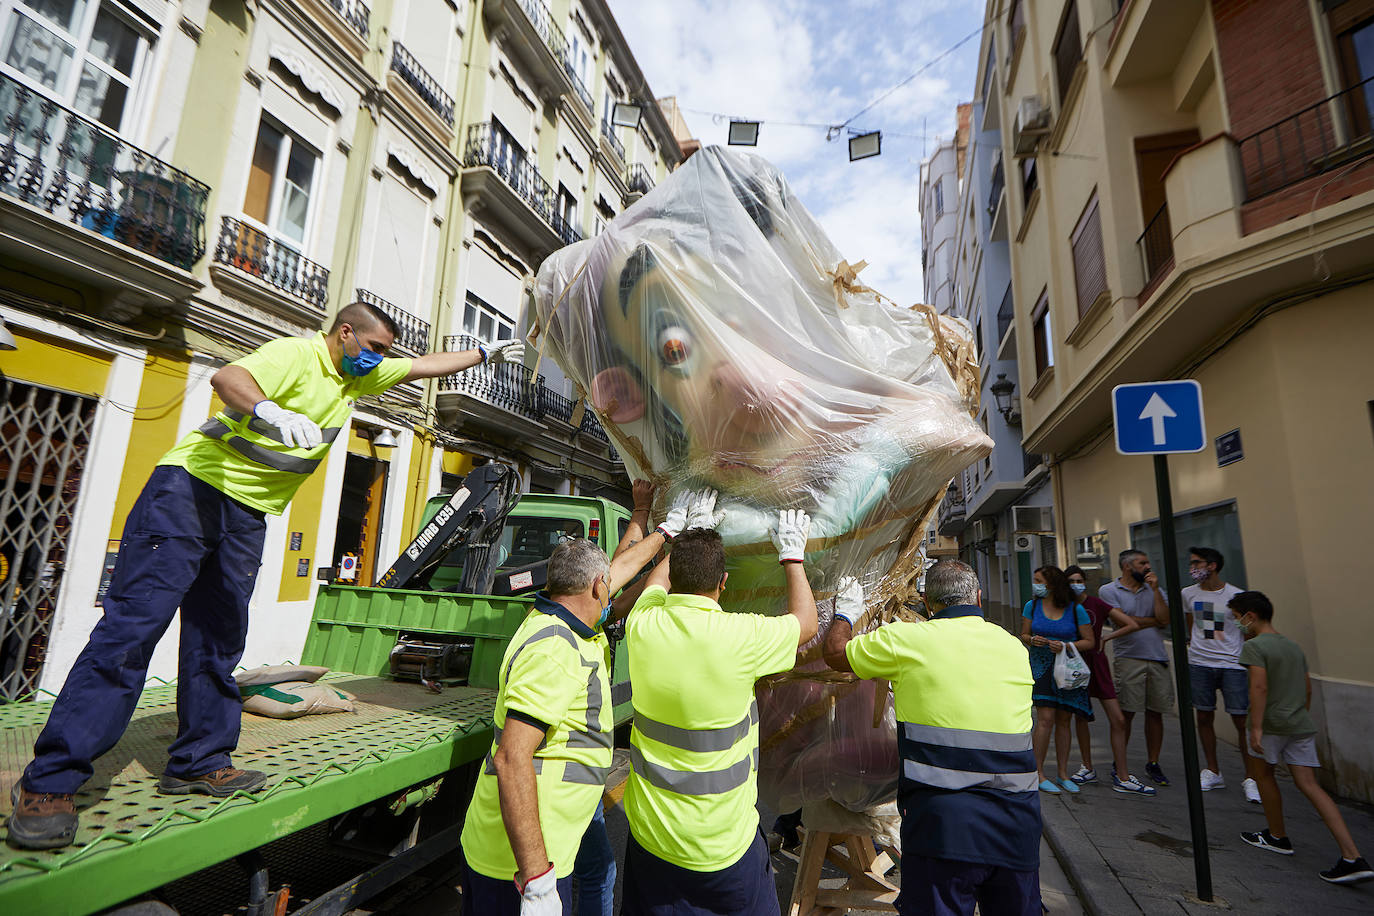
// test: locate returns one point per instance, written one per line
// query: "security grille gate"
(44, 437)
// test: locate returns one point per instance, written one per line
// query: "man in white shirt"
(1214, 645)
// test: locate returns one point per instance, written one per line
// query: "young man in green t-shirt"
(1280, 726)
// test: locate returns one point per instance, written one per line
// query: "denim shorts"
(1234, 684)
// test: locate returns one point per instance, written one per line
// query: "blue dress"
(1046, 692)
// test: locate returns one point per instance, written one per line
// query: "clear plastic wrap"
(723, 342)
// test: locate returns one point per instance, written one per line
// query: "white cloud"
(820, 62)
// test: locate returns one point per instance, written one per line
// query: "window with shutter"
(1089, 262)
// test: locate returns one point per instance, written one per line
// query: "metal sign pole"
(1202, 864)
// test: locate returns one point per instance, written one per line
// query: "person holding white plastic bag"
(1052, 622)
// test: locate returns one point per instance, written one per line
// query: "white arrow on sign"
(1156, 411)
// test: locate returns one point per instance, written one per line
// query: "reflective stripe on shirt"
(688, 782)
(957, 758)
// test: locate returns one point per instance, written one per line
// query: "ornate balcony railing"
(511, 386)
(418, 78)
(578, 85)
(999, 183)
(608, 131)
(483, 148)
(412, 332)
(1157, 245)
(76, 170)
(592, 427)
(355, 13)
(567, 232)
(557, 406)
(638, 180)
(1321, 137)
(257, 254)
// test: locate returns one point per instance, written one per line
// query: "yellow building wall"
(55, 363)
(1297, 387)
(304, 517)
(160, 398)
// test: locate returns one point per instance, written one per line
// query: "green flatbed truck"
(368, 797)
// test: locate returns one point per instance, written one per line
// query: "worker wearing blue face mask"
(194, 541)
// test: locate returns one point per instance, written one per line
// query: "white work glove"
(297, 430)
(676, 521)
(512, 351)
(701, 510)
(539, 896)
(849, 600)
(790, 535)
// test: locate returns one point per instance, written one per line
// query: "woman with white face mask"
(1052, 620)
(1102, 688)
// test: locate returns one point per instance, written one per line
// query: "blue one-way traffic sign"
(1158, 418)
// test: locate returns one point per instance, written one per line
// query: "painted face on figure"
(730, 412)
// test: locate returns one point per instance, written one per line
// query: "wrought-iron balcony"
(638, 180)
(608, 131)
(578, 86)
(567, 232)
(513, 387)
(412, 333)
(254, 253)
(557, 406)
(592, 427)
(355, 13)
(79, 172)
(521, 191)
(425, 86)
(1156, 245)
(1321, 137)
(952, 513)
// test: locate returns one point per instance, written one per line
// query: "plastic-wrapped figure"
(722, 341)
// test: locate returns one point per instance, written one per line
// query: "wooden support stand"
(867, 886)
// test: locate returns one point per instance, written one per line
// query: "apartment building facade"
(183, 181)
(1191, 195)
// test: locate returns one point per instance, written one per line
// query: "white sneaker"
(1251, 791)
(1211, 780)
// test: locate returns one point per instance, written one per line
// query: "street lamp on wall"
(1008, 405)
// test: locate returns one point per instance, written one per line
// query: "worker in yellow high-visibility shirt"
(540, 785)
(694, 844)
(967, 787)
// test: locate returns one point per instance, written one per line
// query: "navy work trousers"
(943, 887)
(654, 887)
(185, 545)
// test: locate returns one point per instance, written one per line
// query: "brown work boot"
(41, 820)
(220, 783)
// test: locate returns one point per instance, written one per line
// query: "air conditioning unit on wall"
(982, 530)
(1032, 123)
(1032, 519)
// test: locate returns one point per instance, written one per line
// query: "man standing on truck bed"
(194, 541)
(541, 783)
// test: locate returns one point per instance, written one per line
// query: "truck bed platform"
(133, 839)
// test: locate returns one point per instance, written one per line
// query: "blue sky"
(819, 61)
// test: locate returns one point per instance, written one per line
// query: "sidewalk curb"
(1074, 852)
